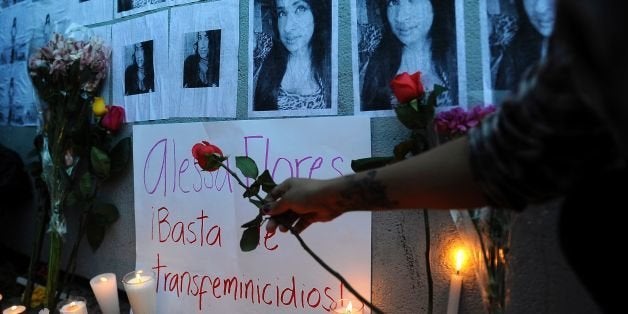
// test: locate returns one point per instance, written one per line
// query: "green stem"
(374, 309)
(36, 250)
(53, 269)
(428, 267)
(71, 266)
(235, 176)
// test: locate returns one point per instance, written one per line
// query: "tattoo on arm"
(363, 193)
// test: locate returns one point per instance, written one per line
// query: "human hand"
(299, 203)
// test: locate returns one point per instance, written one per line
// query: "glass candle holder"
(141, 288)
(73, 305)
(347, 306)
(105, 289)
(15, 309)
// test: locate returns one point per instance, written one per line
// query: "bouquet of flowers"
(76, 148)
(486, 230)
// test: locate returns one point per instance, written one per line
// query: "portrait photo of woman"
(396, 36)
(518, 37)
(139, 74)
(294, 68)
(201, 67)
(126, 5)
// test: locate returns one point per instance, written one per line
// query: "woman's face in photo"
(541, 14)
(139, 55)
(410, 20)
(203, 44)
(296, 24)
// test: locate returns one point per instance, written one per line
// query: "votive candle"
(348, 306)
(141, 288)
(15, 309)
(455, 285)
(105, 289)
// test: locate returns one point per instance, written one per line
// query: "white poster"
(188, 221)
(514, 36)
(140, 67)
(88, 12)
(293, 59)
(204, 60)
(390, 38)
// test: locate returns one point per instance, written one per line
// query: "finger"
(279, 190)
(271, 226)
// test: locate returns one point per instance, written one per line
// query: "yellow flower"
(38, 296)
(99, 107)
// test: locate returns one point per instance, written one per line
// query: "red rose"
(113, 119)
(202, 152)
(407, 87)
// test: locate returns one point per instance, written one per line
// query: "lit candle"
(73, 307)
(141, 288)
(348, 306)
(455, 285)
(15, 309)
(106, 290)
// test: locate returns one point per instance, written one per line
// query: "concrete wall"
(541, 282)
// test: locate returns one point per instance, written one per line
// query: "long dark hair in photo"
(130, 76)
(386, 59)
(274, 66)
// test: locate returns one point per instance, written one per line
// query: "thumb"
(277, 206)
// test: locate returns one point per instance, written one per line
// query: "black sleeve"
(557, 131)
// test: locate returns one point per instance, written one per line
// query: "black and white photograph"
(203, 56)
(7, 95)
(17, 102)
(139, 76)
(396, 36)
(128, 5)
(201, 67)
(293, 59)
(517, 33)
(15, 49)
(7, 3)
(140, 73)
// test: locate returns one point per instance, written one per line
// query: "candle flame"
(349, 308)
(13, 308)
(460, 258)
(72, 303)
(103, 279)
(139, 278)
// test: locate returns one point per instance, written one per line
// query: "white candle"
(74, 307)
(455, 285)
(15, 309)
(106, 290)
(141, 288)
(348, 306)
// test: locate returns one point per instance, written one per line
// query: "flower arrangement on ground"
(76, 143)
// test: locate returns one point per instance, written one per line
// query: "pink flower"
(457, 122)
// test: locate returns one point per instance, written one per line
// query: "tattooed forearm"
(366, 192)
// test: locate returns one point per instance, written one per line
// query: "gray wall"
(541, 281)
